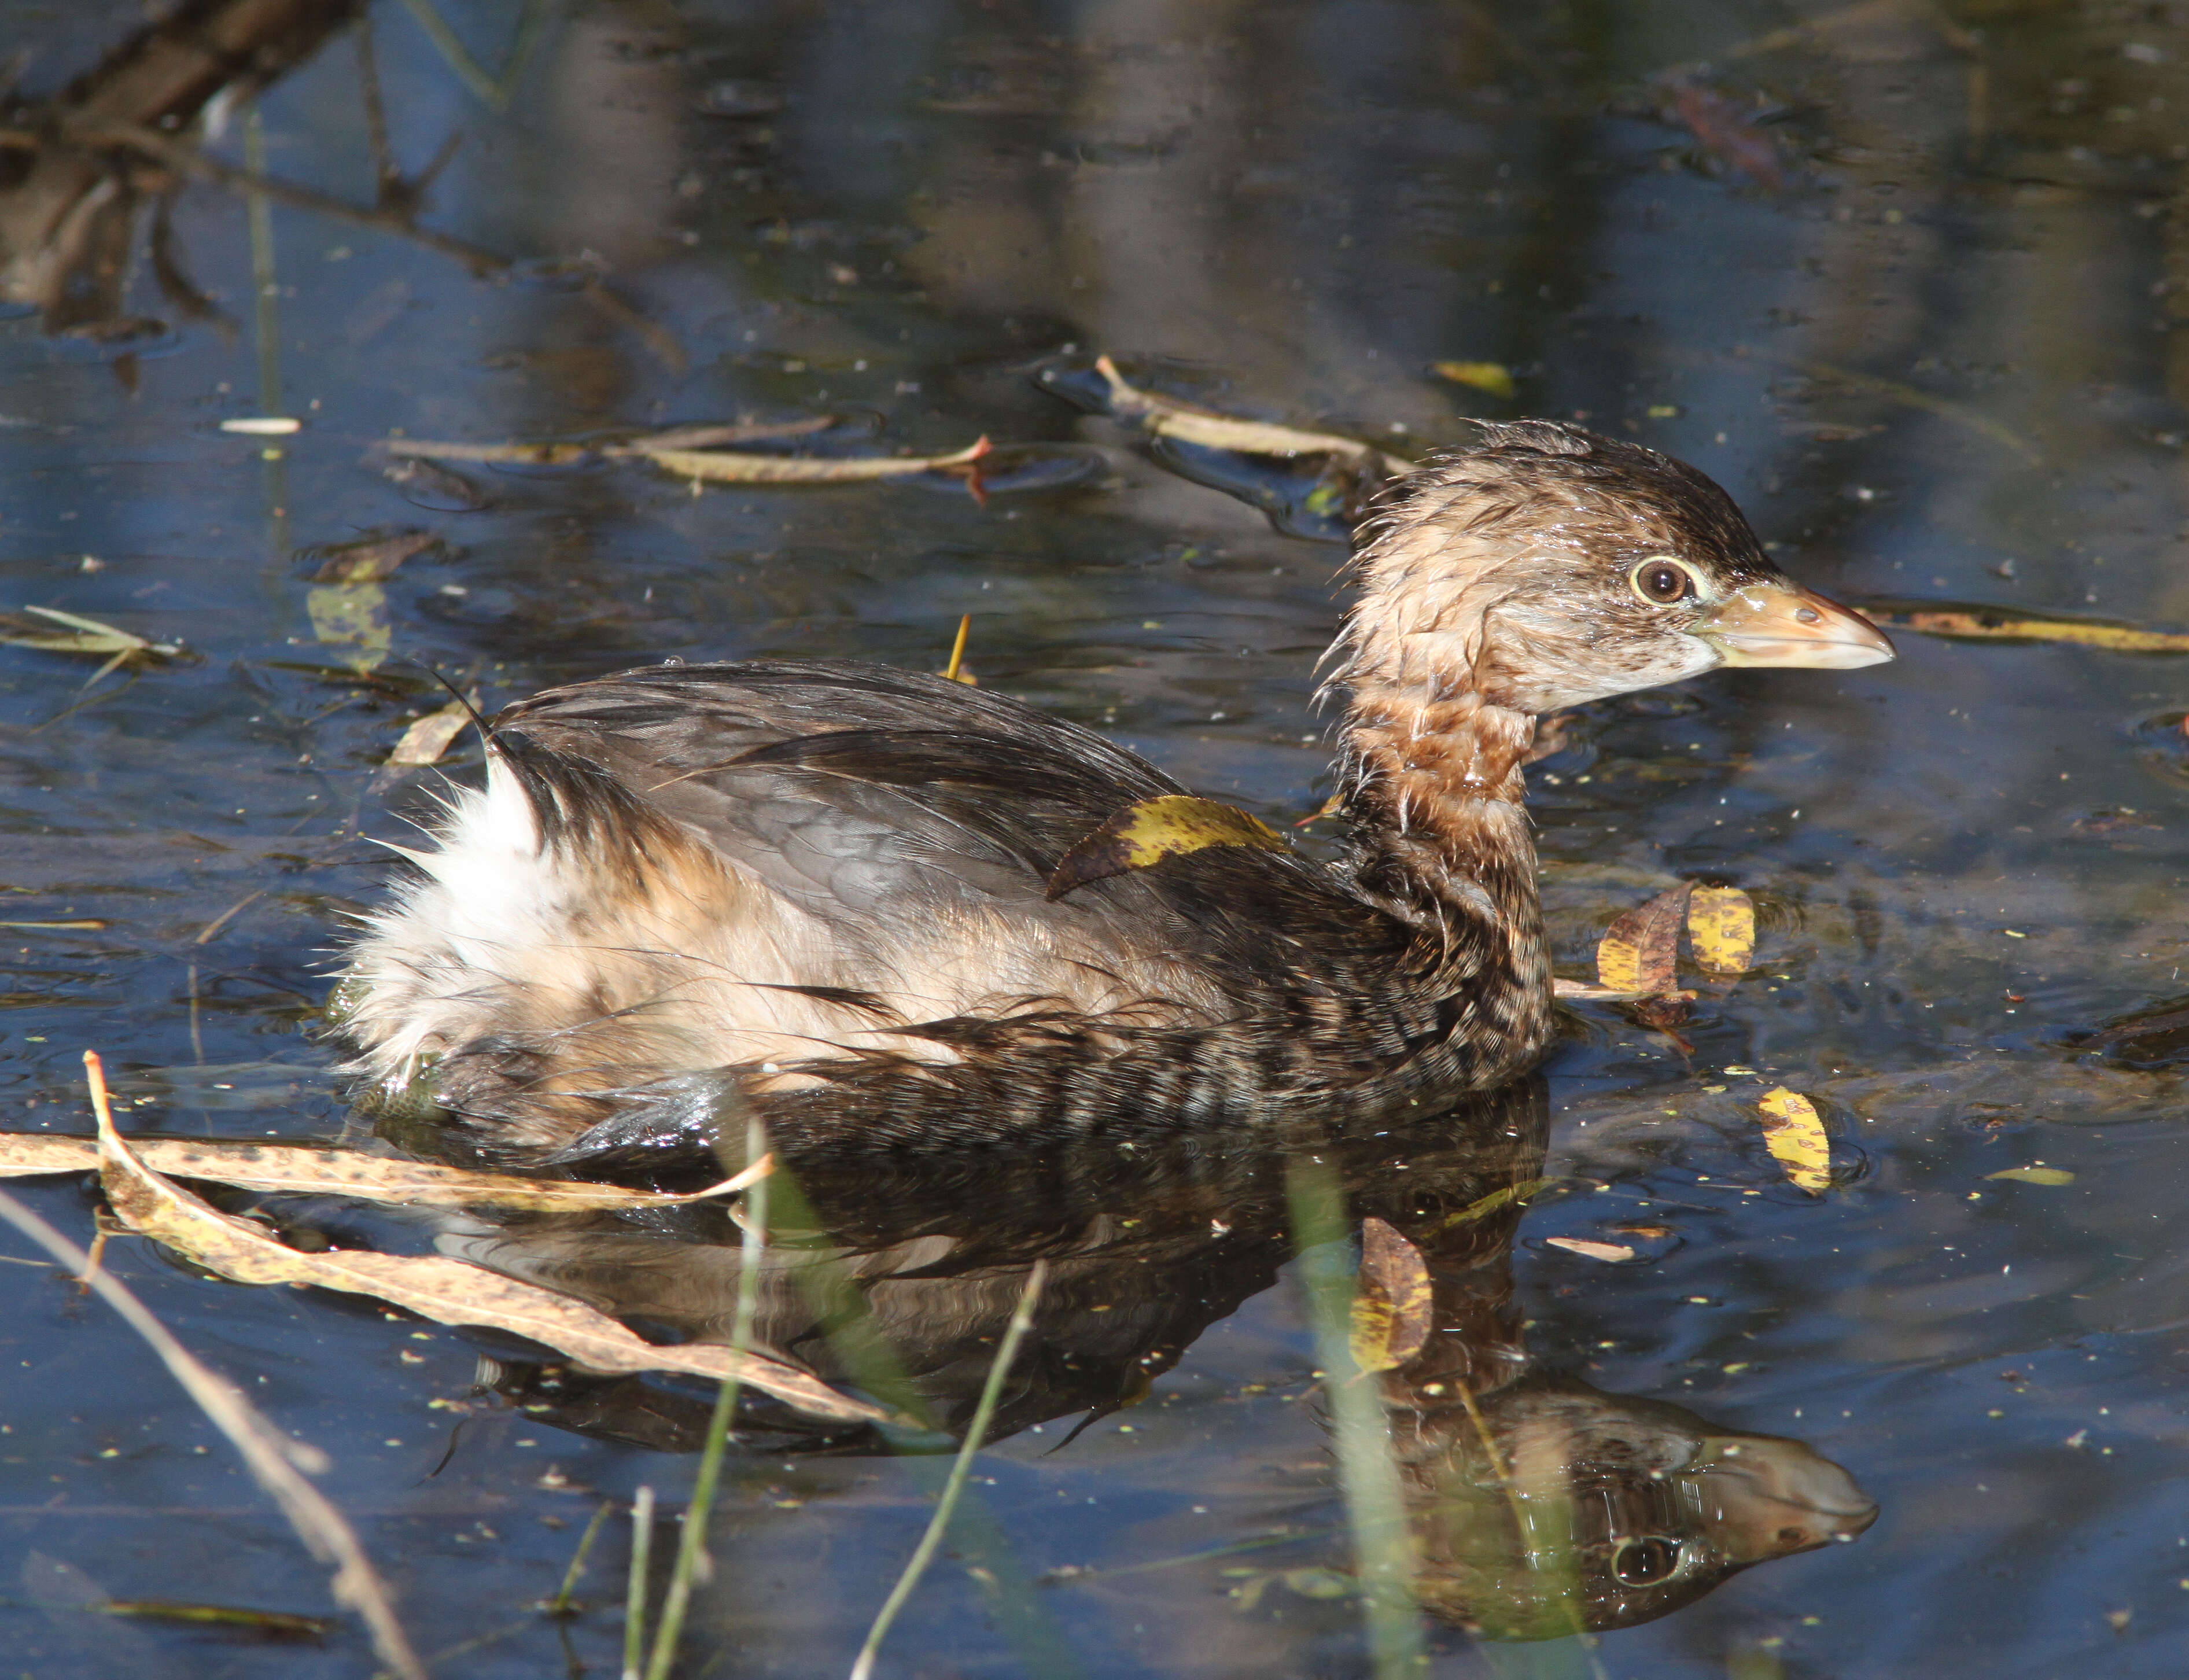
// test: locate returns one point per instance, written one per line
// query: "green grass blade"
(931, 1541)
(641, 1557)
(1383, 1542)
(692, 1547)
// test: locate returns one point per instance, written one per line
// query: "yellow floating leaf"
(1149, 830)
(1392, 1304)
(429, 737)
(1639, 953)
(729, 466)
(1610, 1253)
(1495, 377)
(1722, 928)
(353, 616)
(1992, 624)
(2036, 1176)
(1795, 1138)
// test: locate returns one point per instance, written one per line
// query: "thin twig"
(929, 1543)
(692, 1546)
(187, 160)
(491, 91)
(641, 1557)
(386, 173)
(957, 647)
(269, 1454)
(211, 929)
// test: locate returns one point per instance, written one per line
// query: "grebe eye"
(1648, 1561)
(1661, 582)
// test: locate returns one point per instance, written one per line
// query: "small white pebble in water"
(263, 425)
(1216, 717)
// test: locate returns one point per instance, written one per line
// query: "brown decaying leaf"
(1722, 929)
(1994, 624)
(449, 490)
(1149, 830)
(429, 737)
(1610, 1253)
(1639, 953)
(1726, 130)
(370, 559)
(446, 1290)
(1169, 417)
(1393, 1306)
(1795, 1138)
(292, 1169)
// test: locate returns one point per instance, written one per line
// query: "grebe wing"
(892, 802)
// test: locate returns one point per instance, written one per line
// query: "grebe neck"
(1434, 791)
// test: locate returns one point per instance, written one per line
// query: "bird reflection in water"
(898, 1274)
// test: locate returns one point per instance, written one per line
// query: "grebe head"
(1550, 566)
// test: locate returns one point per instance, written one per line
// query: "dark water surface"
(1904, 279)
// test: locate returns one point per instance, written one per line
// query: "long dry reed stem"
(271, 1456)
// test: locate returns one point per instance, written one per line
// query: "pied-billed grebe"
(819, 889)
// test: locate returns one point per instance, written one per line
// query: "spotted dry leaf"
(1795, 1138)
(1149, 830)
(446, 1290)
(1722, 929)
(1392, 1305)
(1639, 953)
